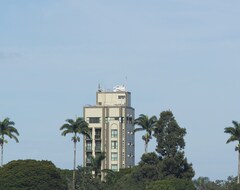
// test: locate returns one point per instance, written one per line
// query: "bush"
(171, 184)
(31, 175)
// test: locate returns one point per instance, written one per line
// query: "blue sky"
(177, 55)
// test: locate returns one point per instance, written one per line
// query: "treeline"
(165, 169)
(39, 175)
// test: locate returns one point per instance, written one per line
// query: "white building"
(111, 125)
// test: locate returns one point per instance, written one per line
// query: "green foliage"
(96, 164)
(169, 135)
(147, 169)
(31, 175)
(78, 126)
(68, 176)
(146, 124)
(86, 181)
(7, 129)
(234, 134)
(127, 182)
(177, 167)
(172, 184)
(204, 183)
(75, 127)
(145, 173)
(150, 158)
(170, 148)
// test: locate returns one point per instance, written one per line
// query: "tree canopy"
(31, 175)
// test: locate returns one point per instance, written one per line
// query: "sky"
(178, 55)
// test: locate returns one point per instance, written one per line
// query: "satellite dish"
(119, 88)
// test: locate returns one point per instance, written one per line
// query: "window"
(121, 97)
(114, 156)
(129, 120)
(88, 146)
(114, 144)
(114, 167)
(98, 146)
(114, 133)
(97, 133)
(94, 119)
(121, 119)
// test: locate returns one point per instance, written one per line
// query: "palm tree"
(79, 126)
(96, 163)
(235, 136)
(146, 124)
(7, 129)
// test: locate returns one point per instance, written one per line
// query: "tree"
(79, 126)
(146, 124)
(235, 136)
(96, 163)
(31, 174)
(171, 184)
(170, 145)
(7, 129)
(204, 183)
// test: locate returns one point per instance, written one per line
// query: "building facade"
(111, 127)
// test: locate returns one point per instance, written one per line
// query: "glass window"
(97, 146)
(94, 119)
(114, 133)
(114, 144)
(114, 167)
(88, 146)
(121, 97)
(97, 133)
(121, 119)
(114, 156)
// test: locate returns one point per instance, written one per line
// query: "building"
(111, 127)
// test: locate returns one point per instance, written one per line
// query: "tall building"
(111, 126)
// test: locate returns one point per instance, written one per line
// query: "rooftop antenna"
(99, 88)
(126, 83)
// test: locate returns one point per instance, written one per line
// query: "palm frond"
(229, 130)
(231, 139)
(70, 121)
(67, 131)
(138, 129)
(14, 137)
(6, 128)
(65, 126)
(79, 126)
(233, 131)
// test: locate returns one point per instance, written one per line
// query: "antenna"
(126, 83)
(99, 88)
